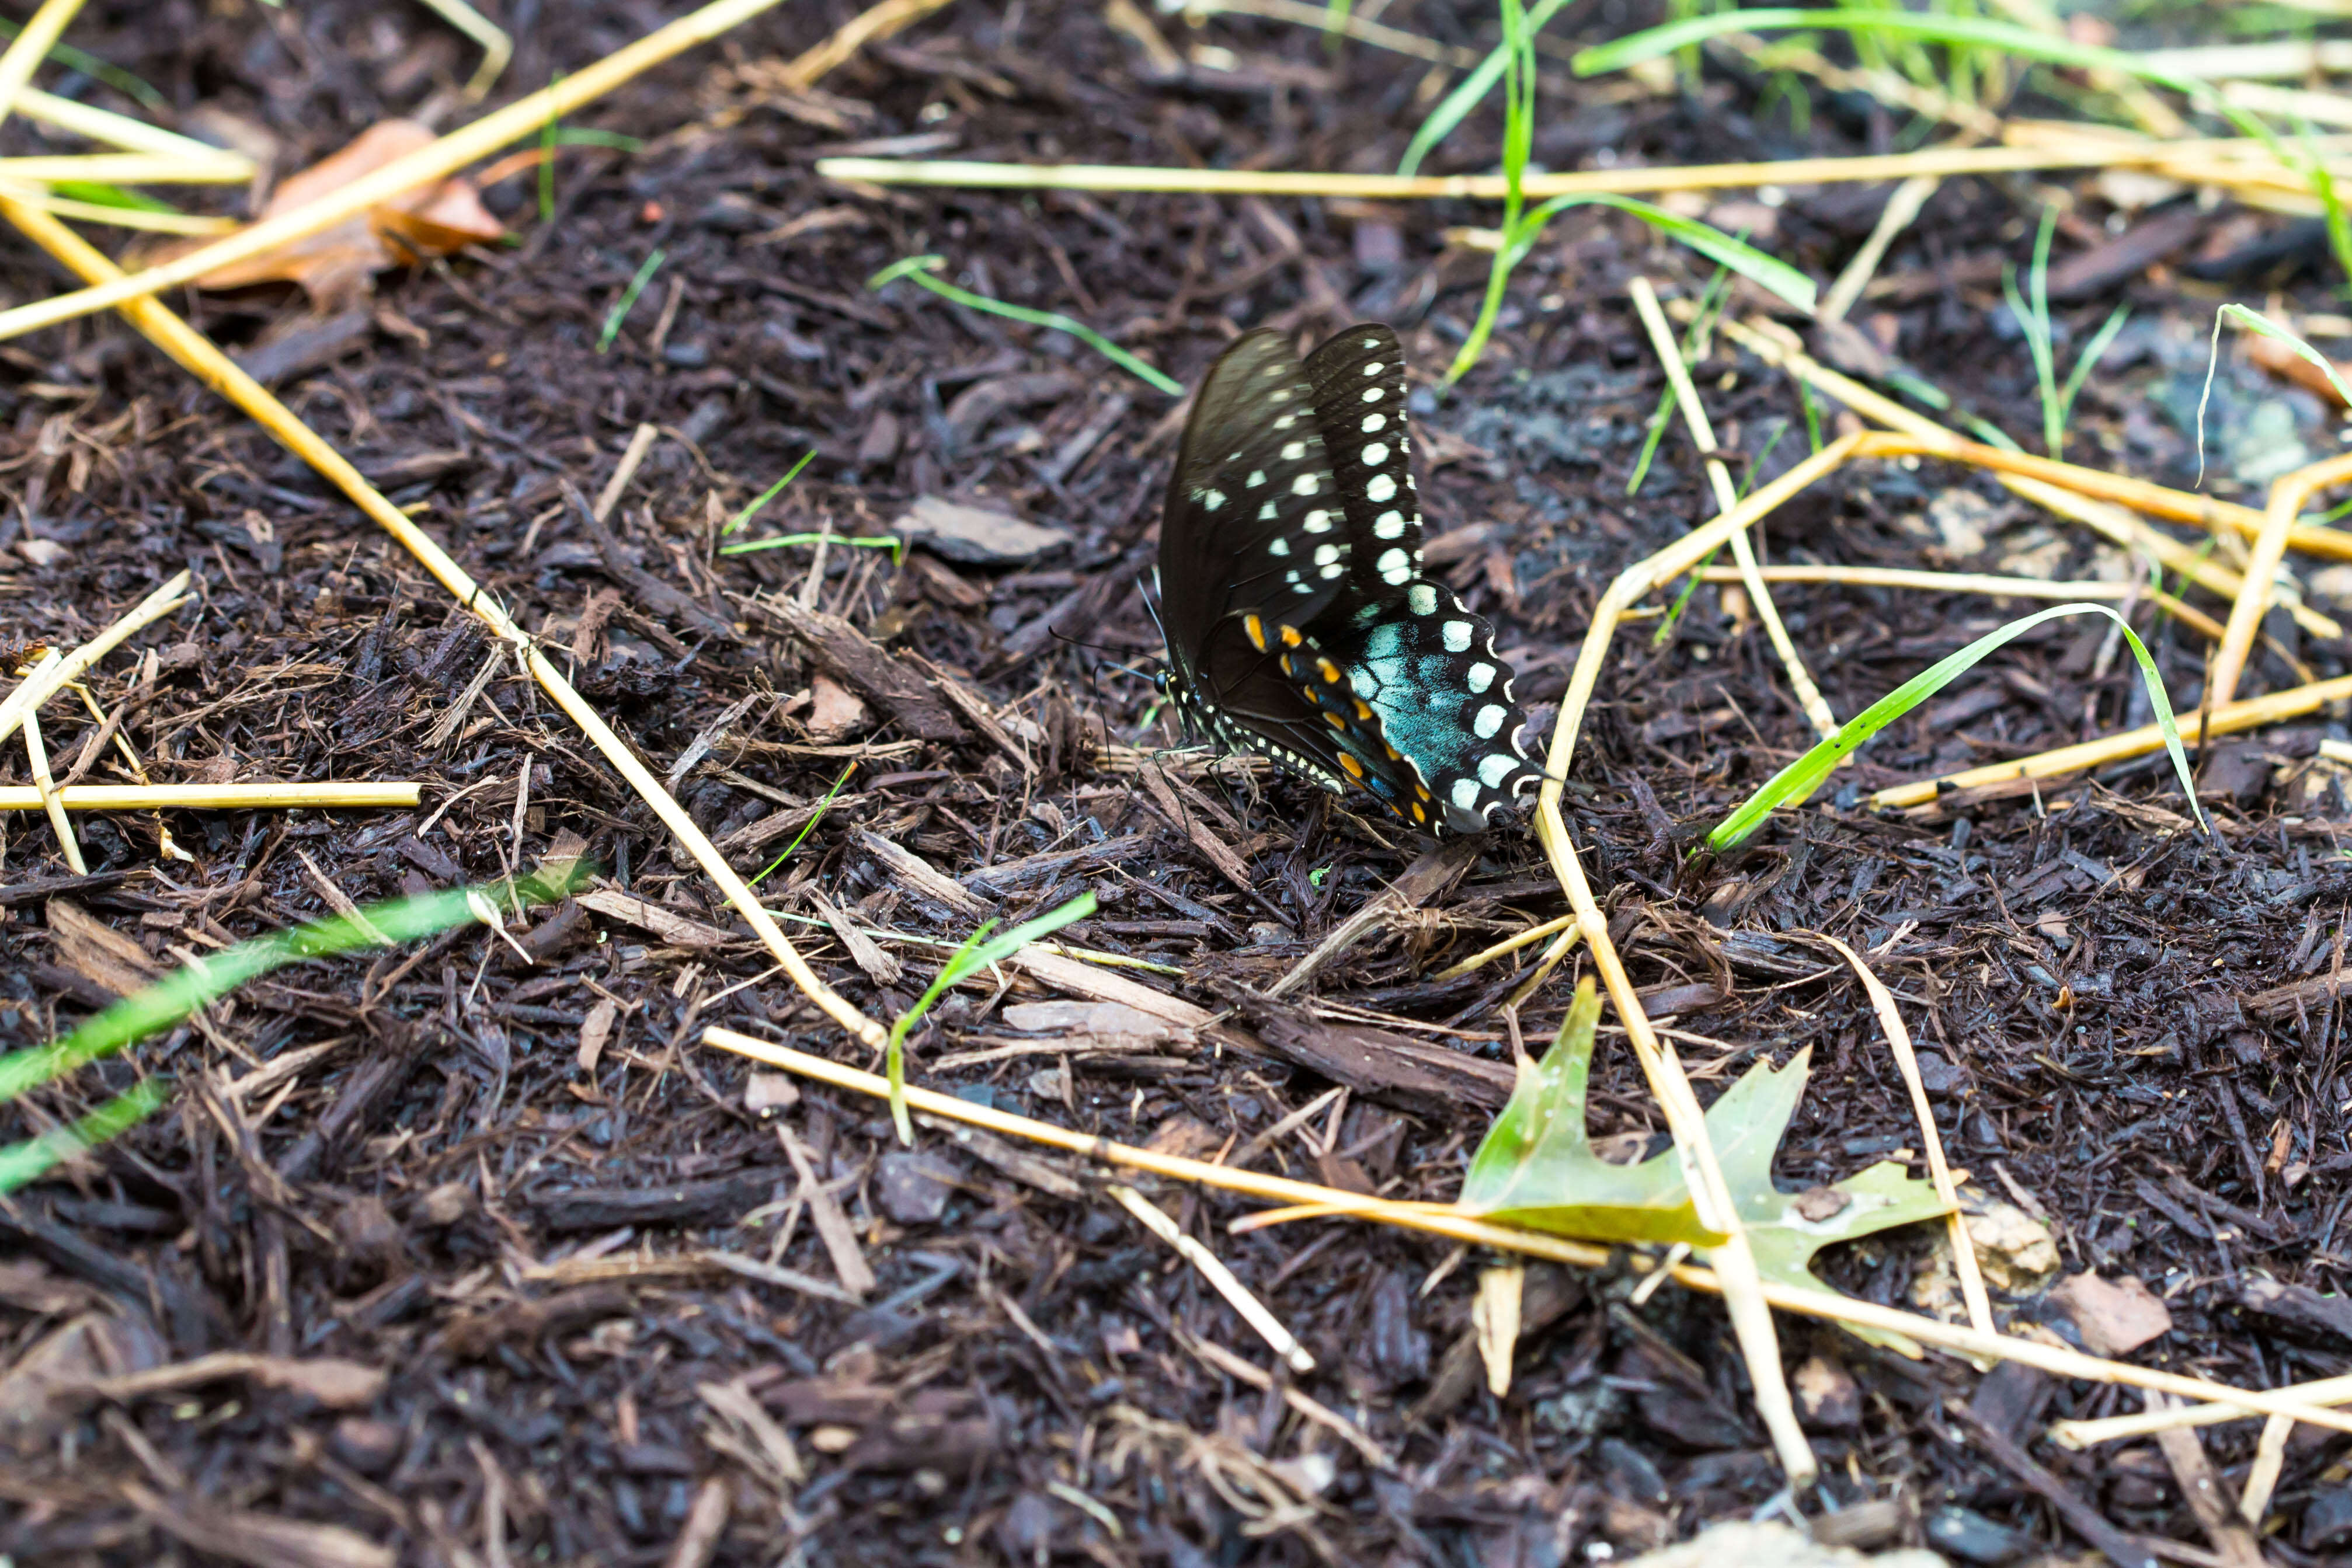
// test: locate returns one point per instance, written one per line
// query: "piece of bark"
(982, 401)
(916, 874)
(2158, 237)
(853, 659)
(529, 1321)
(832, 1227)
(2208, 1494)
(976, 536)
(1547, 1295)
(259, 1540)
(1081, 979)
(666, 923)
(707, 1202)
(2299, 1305)
(1213, 850)
(1073, 615)
(1410, 1076)
(652, 592)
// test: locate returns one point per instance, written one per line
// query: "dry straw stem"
(1377, 34)
(117, 217)
(129, 169)
(30, 47)
(1743, 548)
(2287, 496)
(1939, 1171)
(2250, 714)
(1768, 342)
(1974, 582)
(198, 355)
(497, 45)
(2097, 500)
(2084, 152)
(55, 671)
(214, 796)
(1507, 946)
(2147, 1423)
(45, 791)
(525, 117)
(1437, 1219)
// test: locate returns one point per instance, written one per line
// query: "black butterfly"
(1298, 623)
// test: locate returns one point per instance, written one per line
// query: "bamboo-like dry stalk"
(121, 131)
(2085, 152)
(215, 797)
(2081, 1435)
(2287, 497)
(44, 794)
(130, 168)
(99, 213)
(1438, 1219)
(54, 671)
(1377, 34)
(198, 355)
(30, 47)
(1939, 1171)
(1743, 548)
(524, 117)
(497, 43)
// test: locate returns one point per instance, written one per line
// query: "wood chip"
(832, 1227)
(913, 871)
(595, 1031)
(666, 923)
(98, 952)
(1214, 849)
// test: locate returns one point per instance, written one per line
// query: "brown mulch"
(506, 1267)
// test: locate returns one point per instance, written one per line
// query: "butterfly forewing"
(1359, 386)
(1252, 522)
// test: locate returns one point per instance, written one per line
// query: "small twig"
(341, 902)
(641, 441)
(2081, 1517)
(46, 787)
(1222, 1279)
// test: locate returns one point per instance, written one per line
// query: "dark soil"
(430, 1182)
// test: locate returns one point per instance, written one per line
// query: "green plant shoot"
(1799, 779)
(628, 300)
(808, 827)
(2032, 319)
(978, 952)
(922, 269)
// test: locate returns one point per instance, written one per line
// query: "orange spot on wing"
(1337, 722)
(1355, 769)
(1256, 629)
(1291, 637)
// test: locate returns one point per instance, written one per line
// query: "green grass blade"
(808, 827)
(2256, 322)
(2085, 363)
(1456, 105)
(1801, 778)
(21, 1163)
(977, 954)
(919, 268)
(99, 194)
(891, 542)
(178, 994)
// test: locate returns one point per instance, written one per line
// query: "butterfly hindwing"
(1252, 520)
(1443, 697)
(1358, 385)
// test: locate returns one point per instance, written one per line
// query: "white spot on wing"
(1465, 793)
(1490, 719)
(1374, 423)
(1396, 567)
(1375, 454)
(1375, 368)
(1293, 451)
(1210, 500)
(1280, 546)
(1326, 554)
(1389, 526)
(1318, 521)
(1307, 484)
(1479, 678)
(1456, 634)
(1495, 766)
(1257, 477)
(1422, 598)
(1380, 488)
(1372, 394)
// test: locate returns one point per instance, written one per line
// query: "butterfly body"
(1298, 623)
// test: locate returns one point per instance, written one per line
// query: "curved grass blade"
(2256, 322)
(22, 1163)
(978, 952)
(1767, 272)
(1799, 779)
(921, 269)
